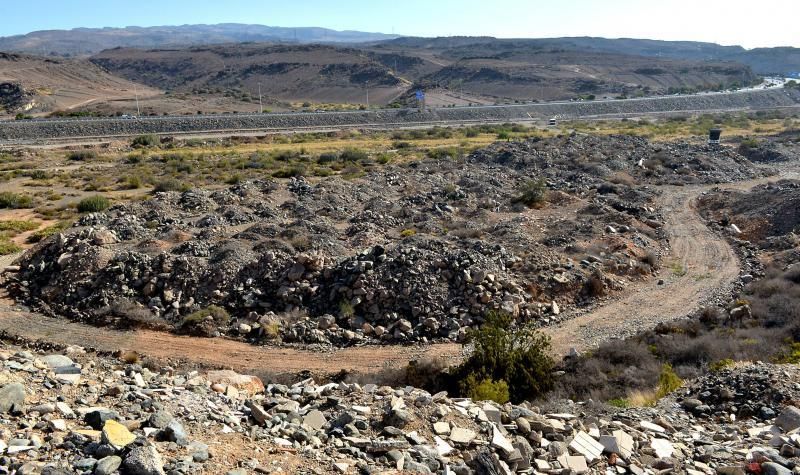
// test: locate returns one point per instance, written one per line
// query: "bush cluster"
(508, 362)
(93, 204)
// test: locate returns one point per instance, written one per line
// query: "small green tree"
(518, 357)
(533, 192)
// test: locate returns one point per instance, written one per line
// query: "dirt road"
(699, 263)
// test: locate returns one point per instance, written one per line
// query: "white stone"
(282, 442)
(442, 447)
(58, 425)
(314, 419)
(441, 428)
(619, 442)
(499, 441)
(575, 463)
(463, 436)
(652, 427)
(587, 446)
(492, 413)
(662, 447)
(65, 410)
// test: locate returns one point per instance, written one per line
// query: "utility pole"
(260, 105)
(136, 92)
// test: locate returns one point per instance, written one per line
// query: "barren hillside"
(33, 84)
(287, 72)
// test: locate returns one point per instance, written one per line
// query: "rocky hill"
(287, 72)
(36, 84)
(778, 60)
(327, 74)
(86, 41)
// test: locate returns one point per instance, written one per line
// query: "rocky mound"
(766, 215)
(414, 252)
(86, 414)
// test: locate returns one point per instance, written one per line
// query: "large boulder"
(12, 398)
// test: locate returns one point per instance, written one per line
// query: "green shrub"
(12, 200)
(327, 158)
(218, 314)
(519, 357)
(205, 322)
(720, 365)
(668, 381)
(18, 226)
(486, 390)
(443, 153)
(145, 141)
(346, 309)
(353, 155)
(533, 192)
(7, 247)
(39, 174)
(170, 184)
(621, 403)
(93, 204)
(47, 232)
(789, 356)
(81, 155)
(408, 233)
(133, 182)
(289, 172)
(749, 143)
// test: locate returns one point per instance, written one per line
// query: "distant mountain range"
(778, 60)
(87, 41)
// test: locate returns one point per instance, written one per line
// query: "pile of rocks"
(757, 391)
(409, 253)
(111, 417)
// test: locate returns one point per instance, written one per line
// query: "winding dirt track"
(709, 264)
(699, 263)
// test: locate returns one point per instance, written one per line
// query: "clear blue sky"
(749, 23)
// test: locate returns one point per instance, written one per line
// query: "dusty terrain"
(320, 74)
(310, 73)
(612, 204)
(698, 250)
(696, 265)
(51, 85)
